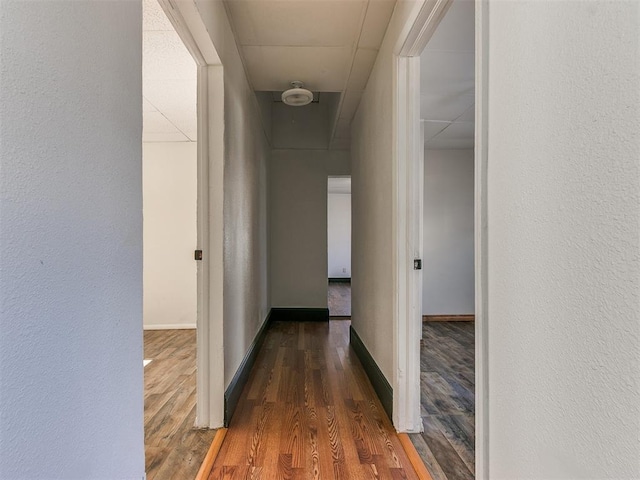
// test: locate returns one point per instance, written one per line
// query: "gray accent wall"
(448, 266)
(298, 224)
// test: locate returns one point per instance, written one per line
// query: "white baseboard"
(170, 326)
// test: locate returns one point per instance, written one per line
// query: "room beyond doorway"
(339, 246)
(339, 299)
(447, 348)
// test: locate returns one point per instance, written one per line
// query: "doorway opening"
(339, 247)
(447, 347)
(170, 237)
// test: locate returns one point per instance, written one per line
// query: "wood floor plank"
(427, 457)
(318, 417)
(447, 457)
(339, 299)
(447, 384)
(173, 447)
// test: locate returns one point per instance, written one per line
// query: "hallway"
(309, 411)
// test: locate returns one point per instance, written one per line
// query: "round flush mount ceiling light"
(297, 96)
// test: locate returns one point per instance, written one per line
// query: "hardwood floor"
(309, 411)
(173, 448)
(339, 299)
(447, 374)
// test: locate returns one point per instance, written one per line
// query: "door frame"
(408, 199)
(186, 20)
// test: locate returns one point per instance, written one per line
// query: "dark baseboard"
(233, 391)
(376, 377)
(339, 280)
(448, 318)
(299, 314)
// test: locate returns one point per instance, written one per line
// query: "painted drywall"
(304, 127)
(169, 174)
(246, 151)
(298, 224)
(339, 235)
(563, 240)
(448, 261)
(372, 197)
(71, 373)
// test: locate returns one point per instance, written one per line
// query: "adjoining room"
(339, 247)
(173, 447)
(447, 356)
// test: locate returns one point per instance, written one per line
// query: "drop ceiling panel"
(156, 127)
(176, 99)
(185, 122)
(147, 106)
(447, 80)
(321, 69)
(155, 122)
(431, 129)
(375, 23)
(171, 94)
(296, 23)
(444, 107)
(330, 45)
(164, 56)
(451, 70)
(154, 17)
(164, 137)
(457, 131)
(361, 69)
(169, 81)
(469, 115)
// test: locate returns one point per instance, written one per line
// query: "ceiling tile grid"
(322, 69)
(330, 45)
(328, 23)
(447, 70)
(169, 76)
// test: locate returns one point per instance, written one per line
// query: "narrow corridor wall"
(246, 152)
(298, 224)
(373, 292)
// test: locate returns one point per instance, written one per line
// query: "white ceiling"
(330, 45)
(448, 79)
(169, 79)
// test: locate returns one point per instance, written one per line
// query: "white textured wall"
(339, 235)
(564, 240)
(245, 197)
(448, 269)
(169, 200)
(372, 268)
(298, 224)
(71, 382)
